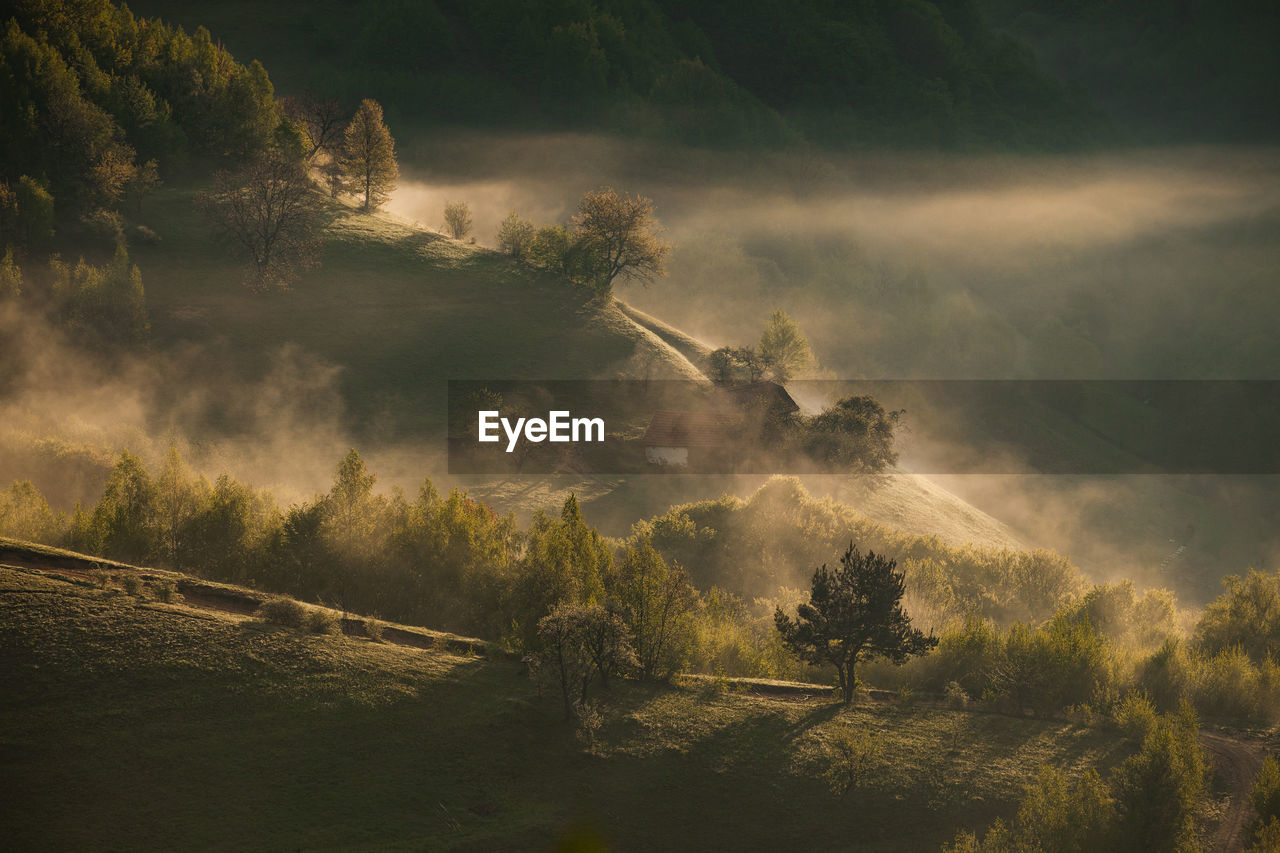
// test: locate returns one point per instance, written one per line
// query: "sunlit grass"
(139, 725)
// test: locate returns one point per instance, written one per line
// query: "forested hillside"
(870, 73)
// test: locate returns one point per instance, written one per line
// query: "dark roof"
(690, 429)
(774, 395)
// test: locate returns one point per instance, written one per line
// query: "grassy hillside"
(136, 724)
(399, 309)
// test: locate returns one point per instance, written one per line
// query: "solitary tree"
(854, 613)
(368, 156)
(622, 236)
(784, 351)
(269, 212)
(457, 219)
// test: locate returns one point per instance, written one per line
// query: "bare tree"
(322, 120)
(622, 236)
(269, 212)
(457, 219)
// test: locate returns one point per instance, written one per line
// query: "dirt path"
(1236, 763)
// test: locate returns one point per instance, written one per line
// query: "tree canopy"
(854, 613)
(368, 156)
(621, 234)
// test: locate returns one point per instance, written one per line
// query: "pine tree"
(368, 157)
(854, 613)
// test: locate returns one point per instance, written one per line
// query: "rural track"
(1236, 763)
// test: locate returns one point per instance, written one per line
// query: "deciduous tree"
(457, 219)
(269, 212)
(368, 156)
(622, 234)
(784, 350)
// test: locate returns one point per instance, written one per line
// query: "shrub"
(1266, 838)
(589, 722)
(321, 621)
(286, 612)
(956, 695)
(549, 249)
(100, 577)
(144, 236)
(131, 583)
(1136, 716)
(373, 629)
(457, 219)
(104, 227)
(1266, 792)
(515, 235)
(852, 754)
(165, 590)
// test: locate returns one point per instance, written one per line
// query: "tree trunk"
(847, 683)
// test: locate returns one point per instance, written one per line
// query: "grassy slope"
(401, 310)
(140, 725)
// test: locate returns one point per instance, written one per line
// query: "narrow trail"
(1236, 763)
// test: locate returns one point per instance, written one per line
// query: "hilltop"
(398, 308)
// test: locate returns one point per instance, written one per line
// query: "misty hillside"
(395, 310)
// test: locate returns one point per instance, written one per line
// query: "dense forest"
(743, 74)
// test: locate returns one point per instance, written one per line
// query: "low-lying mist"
(66, 412)
(1140, 264)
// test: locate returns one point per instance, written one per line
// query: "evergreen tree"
(854, 613)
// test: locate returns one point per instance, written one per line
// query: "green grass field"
(133, 724)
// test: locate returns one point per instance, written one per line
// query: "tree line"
(1017, 631)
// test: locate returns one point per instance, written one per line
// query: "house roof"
(690, 429)
(774, 396)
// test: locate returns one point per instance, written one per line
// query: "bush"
(322, 621)
(1266, 792)
(515, 235)
(589, 722)
(100, 577)
(104, 227)
(457, 219)
(282, 611)
(373, 629)
(956, 695)
(1136, 716)
(165, 590)
(852, 754)
(131, 583)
